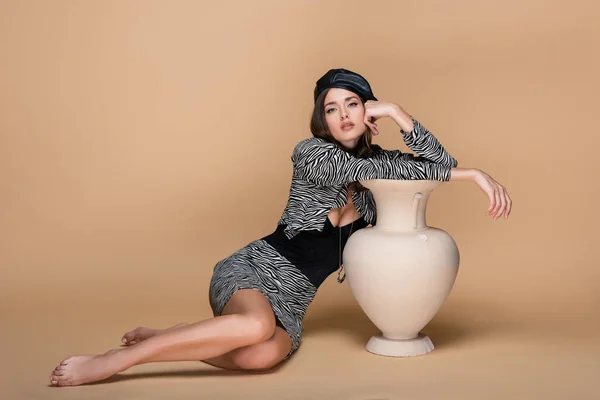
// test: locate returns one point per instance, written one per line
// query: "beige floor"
(482, 352)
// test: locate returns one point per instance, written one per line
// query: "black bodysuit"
(316, 254)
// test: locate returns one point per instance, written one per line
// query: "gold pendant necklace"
(341, 278)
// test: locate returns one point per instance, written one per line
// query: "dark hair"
(319, 129)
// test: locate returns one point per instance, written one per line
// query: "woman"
(260, 294)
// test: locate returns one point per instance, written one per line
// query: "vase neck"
(401, 212)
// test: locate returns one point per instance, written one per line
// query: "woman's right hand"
(500, 202)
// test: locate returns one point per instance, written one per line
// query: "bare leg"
(142, 333)
(253, 323)
(259, 356)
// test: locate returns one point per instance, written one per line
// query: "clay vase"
(400, 271)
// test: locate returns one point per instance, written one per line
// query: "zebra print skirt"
(259, 266)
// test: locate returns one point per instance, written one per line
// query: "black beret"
(345, 79)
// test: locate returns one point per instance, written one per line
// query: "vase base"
(400, 348)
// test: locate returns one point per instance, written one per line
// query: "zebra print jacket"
(322, 172)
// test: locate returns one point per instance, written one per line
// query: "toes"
(58, 381)
(58, 372)
(129, 336)
(64, 381)
(66, 360)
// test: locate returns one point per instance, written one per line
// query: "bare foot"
(77, 370)
(140, 334)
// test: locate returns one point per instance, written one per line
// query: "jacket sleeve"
(323, 163)
(422, 142)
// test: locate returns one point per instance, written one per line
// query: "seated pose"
(260, 294)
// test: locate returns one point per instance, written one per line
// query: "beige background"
(142, 141)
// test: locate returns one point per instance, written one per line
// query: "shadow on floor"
(446, 329)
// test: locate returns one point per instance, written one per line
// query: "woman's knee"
(254, 361)
(258, 327)
(265, 355)
(255, 313)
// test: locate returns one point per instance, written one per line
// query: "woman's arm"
(500, 202)
(422, 142)
(323, 163)
(415, 135)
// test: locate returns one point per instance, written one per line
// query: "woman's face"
(344, 113)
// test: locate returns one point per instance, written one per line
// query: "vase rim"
(417, 185)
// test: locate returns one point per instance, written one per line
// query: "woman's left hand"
(378, 109)
(500, 201)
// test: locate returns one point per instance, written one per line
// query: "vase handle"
(416, 201)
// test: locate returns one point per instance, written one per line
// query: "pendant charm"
(340, 278)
